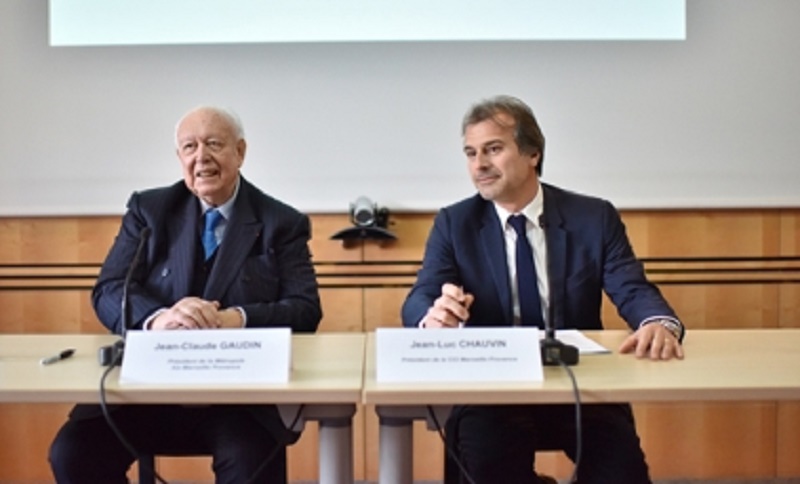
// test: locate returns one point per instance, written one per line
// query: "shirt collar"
(226, 209)
(533, 211)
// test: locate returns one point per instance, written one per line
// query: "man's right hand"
(189, 313)
(449, 309)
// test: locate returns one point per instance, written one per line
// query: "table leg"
(396, 453)
(335, 451)
(335, 438)
(396, 438)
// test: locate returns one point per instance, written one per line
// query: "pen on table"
(61, 356)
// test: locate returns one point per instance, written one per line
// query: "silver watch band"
(671, 326)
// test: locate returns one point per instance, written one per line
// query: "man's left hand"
(653, 341)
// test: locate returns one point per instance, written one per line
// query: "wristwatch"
(672, 326)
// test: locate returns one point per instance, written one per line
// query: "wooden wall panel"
(708, 440)
(722, 233)
(555, 464)
(382, 307)
(718, 268)
(12, 317)
(27, 430)
(50, 311)
(192, 469)
(342, 309)
(788, 443)
(789, 310)
(725, 306)
(56, 239)
(714, 306)
(788, 446)
(790, 232)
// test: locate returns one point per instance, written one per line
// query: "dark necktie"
(530, 306)
(210, 244)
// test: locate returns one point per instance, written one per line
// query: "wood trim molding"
(688, 270)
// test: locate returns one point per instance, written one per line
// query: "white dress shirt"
(532, 212)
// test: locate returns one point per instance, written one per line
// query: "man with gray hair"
(222, 254)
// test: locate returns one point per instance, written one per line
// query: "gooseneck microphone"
(554, 352)
(125, 305)
(112, 355)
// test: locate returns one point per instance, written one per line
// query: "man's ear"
(535, 159)
(241, 149)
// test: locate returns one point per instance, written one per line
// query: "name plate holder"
(199, 357)
(406, 355)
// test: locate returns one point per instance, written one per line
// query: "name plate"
(225, 356)
(458, 355)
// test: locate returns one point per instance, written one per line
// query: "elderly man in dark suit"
(570, 248)
(222, 254)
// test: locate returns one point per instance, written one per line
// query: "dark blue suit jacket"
(588, 252)
(262, 265)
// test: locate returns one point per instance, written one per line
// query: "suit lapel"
(494, 248)
(241, 233)
(556, 240)
(182, 229)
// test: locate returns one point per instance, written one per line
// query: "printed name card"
(458, 355)
(225, 356)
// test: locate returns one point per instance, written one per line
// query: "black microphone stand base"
(556, 353)
(111, 355)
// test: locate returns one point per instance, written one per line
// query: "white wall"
(708, 122)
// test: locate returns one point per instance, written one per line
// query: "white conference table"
(729, 365)
(326, 378)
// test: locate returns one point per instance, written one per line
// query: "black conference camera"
(369, 222)
(364, 213)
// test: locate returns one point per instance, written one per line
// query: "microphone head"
(145, 233)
